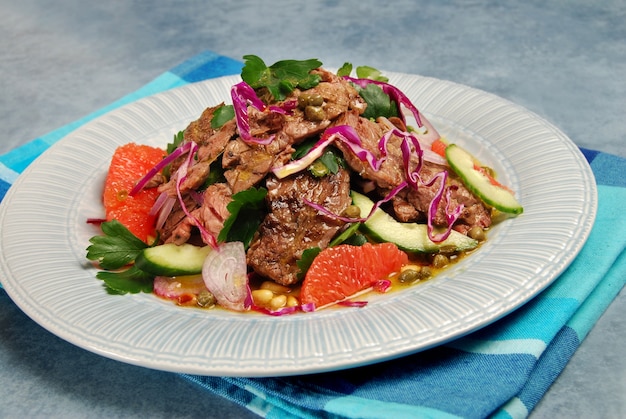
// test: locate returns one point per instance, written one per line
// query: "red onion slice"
(225, 274)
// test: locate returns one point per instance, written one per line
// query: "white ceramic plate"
(43, 236)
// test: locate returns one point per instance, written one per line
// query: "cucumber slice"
(172, 260)
(411, 237)
(480, 185)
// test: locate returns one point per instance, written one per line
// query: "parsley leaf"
(282, 77)
(345, 70)
(133, 280)
(327, 163)
(366, 72)
(331, 161)
(357, 239)
(116, 248)
(306, 260)
(303, 148)
(222, 115)
(378, 103)
(347, 235)
(362, 72)
(178, 139)
(216, 174)
(246, 213)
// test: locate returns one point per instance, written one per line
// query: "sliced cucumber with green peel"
(411, 237)
(172, 260)
(479, 184)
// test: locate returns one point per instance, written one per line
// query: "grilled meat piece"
(391, 172)
(211, 144)
(210, 213)
(177, 227)
(411, 205)
(292, 226)
(248, 164)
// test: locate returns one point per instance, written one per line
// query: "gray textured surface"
(60, 60)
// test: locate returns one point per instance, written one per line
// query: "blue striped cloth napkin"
(501, 371)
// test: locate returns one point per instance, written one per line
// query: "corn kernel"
(262, 297)
(292, 301)
(275, 288)
(278, 302)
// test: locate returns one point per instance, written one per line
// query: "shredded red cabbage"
(298, 165)
(451, 216)
(415, 181)
(344, 133)
(96, 221)
(198, 197)
(348, 135)
(181, 175)
(279, 312)
(409, 146)
(158, 204)
(429, 133)
(427, 153)
(382, 285)
(159, 166)
(377, 204)
(285, 108)
(348, 303)
(242, 94)
(165, 211)
(308, 307)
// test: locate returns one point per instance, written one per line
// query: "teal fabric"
(502, 370)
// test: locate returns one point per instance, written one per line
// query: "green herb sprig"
(282, 77)
(115, 251)
(246, 213)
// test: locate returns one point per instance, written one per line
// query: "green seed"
(206, 299)
(314, 113)
(477, 233)
(426, 272)
(316, 100)
(352, 211)
(440, 261)
(409, 275)
(318, 169)
(310, 99)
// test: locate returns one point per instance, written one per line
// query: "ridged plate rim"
(43, 236)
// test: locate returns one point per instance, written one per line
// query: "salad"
(308, 190)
